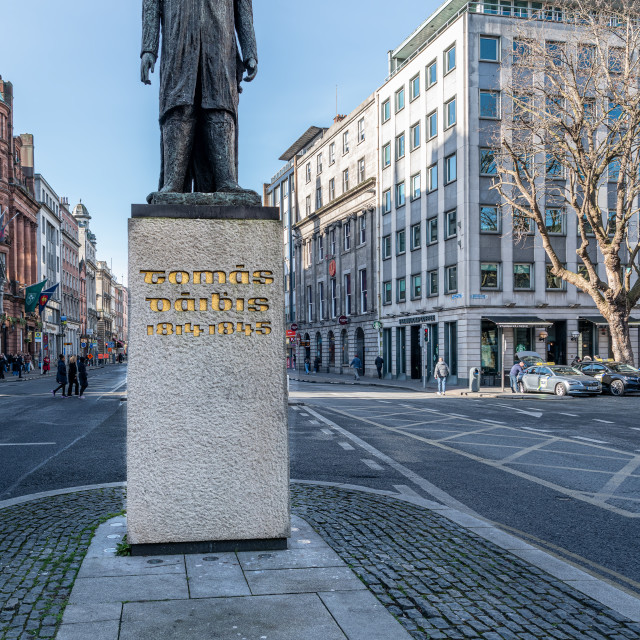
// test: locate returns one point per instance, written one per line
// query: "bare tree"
(569, 145)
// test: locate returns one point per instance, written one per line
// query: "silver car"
(560, 380)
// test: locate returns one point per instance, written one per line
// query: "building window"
(523, 276)
(347, 235)
(521, 52)
(489, 49)
(432, 73)
(386, 110)
(432, 230)
(400, 99)
(386, 155)
(386, 247)
(415, 237)
(489, 275)
(489, 219)
(400, 146)
(308, 172)
(386, 292)
(332, 153)
(416, 287)
(401, 244)
(490, 104)
(345, 142)
(386, 201)
(318, 198)
(307, 206)
(450, 113)
(309, 304)
(432, 125)
(432, 278)
(450, 220)
(415, 186)
(360, 130)
(414, 87)
(553, 283)
(345, 181)
(415, 136)
(363, 291)
(554, 168)
(320, 248)
(321, 300)
(554, 221)
(432, 177)
(522, 223)
(332, 189)
(488, 166)
(451, 278)
(347, 294)
(401, 290)
(450, 168)
(361, 170)
(363, 228)
(332, 241)
(450, 59)
(400, 199)
(334, 298)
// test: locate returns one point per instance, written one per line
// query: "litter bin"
(474, 379)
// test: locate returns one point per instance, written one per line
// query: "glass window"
(450, 112)
(554, 53)
(308, 205)
(401, 245)
(488, 166)
(319, 163)
(308, 172)
(522, 276)
(554, 283)
(347, 294)
(489, 340)
(489, 219)
(361, 171)
(415, 186)
(450, 168)
(386, 292)
(345, 181)
(522, 222)
(554, 167)
(386, 155)
(490, 104)
(415, 136)
(616, 60)
(432, 235)
(386, 247)
(386, 110)
(414, 87)
(363, 290)
(416, 286)
(400, 198)
(401, 289)
(347, 236)
(450, 59)
(432, 73)
(400, 146)
(386, 201)
(521, 107)
(432, 120)
(489, 48)
(363, 228)
(521, 51)
(320, 248)
(450, 217)
(332, 189)
(432, 177)
(345, 142)
(554, 221)
(489, 275)
(318, 198)
(400, 99)
(332, 153)
(415, 236)
(433, 283)
(361, 130)
(451, 278)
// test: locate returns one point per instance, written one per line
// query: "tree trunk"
(620, 336)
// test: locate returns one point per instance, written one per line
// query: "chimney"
(338, 118)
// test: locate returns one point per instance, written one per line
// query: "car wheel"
(617, 388)
(561, 390)
(521, 388)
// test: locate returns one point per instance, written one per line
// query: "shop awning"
(518, 322)
(599, 321)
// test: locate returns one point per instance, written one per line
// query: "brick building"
(18, 252)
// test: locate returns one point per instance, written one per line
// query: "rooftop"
(301, 143)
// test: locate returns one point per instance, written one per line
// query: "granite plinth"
(207, 452)
(242, 198)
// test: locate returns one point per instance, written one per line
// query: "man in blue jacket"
(516, 371)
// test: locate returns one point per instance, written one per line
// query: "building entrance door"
(432, 351)
(557, 342)
(416, 353)
(386, 351)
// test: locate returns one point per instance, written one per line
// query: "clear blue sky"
(74, 65)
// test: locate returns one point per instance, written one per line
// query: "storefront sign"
(419, 319)
(291, 334)
(38, 336)
(478, 296)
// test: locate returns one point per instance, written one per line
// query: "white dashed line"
(458, 415)
(603, 421)
(25, 444)
(296, 408)
(571, 415)
(385, 401)
(589, 440)
(346, 446)
(493, 421)
(537, 430)
(327, 432)
(635, 428)
(306, 415)
(372, 465)
(314, 422)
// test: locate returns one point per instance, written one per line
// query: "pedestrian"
(576, 361)
(316, 364)
(356, 364)
(294, 361)
(46, 365)
(61, 376)
(514, 375)
(82, 377)
(3, 364)
(73, 376)
(307, 364)
(441, 374)
(379, 362)
(19, 364)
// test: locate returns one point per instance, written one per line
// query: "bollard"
(474, 379)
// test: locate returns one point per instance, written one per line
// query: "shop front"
(594, 337)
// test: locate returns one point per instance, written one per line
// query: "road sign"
(90, 356)
(291, 334)
(38, 336)
(294, 327)
(343, 320)
(63, 319)
(83, 345)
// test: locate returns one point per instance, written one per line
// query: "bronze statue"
(201, 69)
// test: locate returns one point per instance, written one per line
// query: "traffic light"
(426, 334)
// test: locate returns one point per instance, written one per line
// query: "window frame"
(563, 221)
(415, 195)
(431, 292)
(386, 247)
(447, 177)
(308, 172)
(361, 132)
(386, 201)
(448, 124)
(361, 171)
(532, 284)
(427, 81)
(498, 42)
(414, 136)
(332, 189)
(430, 172)
(447, 272)
(415, 236)
(401, 242)
(445, 65)
(362, 229)
(412, 95)
(433, 115)
(498, 229)
(498, 104)
(387, 292)
(498, 272)
(447, 223)
(345, 180)
(345, 142)
(346, 236)
(432, 223)
(547, 274)
(397, 95)
(401, 196)
(332, 153)
(416, 277)
(386, 155)
(385, 110)
(483, 151)
(401, 287)
(401, 147)
(319, 163)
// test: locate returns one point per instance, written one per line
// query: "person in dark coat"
(61, 376)
(73, 376)
(82, 376)
(3, 364)
(379, 363)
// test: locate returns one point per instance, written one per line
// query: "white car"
(558, 379)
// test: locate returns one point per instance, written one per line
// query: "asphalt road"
(562, 473)
(53, 443)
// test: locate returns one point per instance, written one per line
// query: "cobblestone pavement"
(42, 544)
(443, 581)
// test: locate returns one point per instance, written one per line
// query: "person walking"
(61, 377)
(46, 365)
(73, 376)
(514, 375)
(19, 363)
(82, 377)
(379, 362)
(356, 364)
(3, 364)
(316, 364)
(307, 364)
(441, 374)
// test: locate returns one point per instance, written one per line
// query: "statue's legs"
(215, 166)
(178, 129)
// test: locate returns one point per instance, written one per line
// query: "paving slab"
(302, 580)
(128, 588)
(110, 566)
(618, 600)
(103, 630)
(75, 613)
(292, 617)
(291, 559)
(216, 575)
(554, 566)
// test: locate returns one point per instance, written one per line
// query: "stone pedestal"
(207, 451)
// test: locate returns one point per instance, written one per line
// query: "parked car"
(561, 380)
(617, 378)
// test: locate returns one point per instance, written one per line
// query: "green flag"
(32, 295)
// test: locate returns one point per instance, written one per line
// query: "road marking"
(327, 432)
(346, 446)
(635, 428)
(535, 414)
(313, 422)
(524, 452)
(372, 465)
(589, 440)
(537, 430)
(385, 401)
(296, 408)
(603, 421)
(25, 444)
(306, 415)
(571, 415)
(493, 421)
(457, 415)
(619, 477)
(405, 490)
